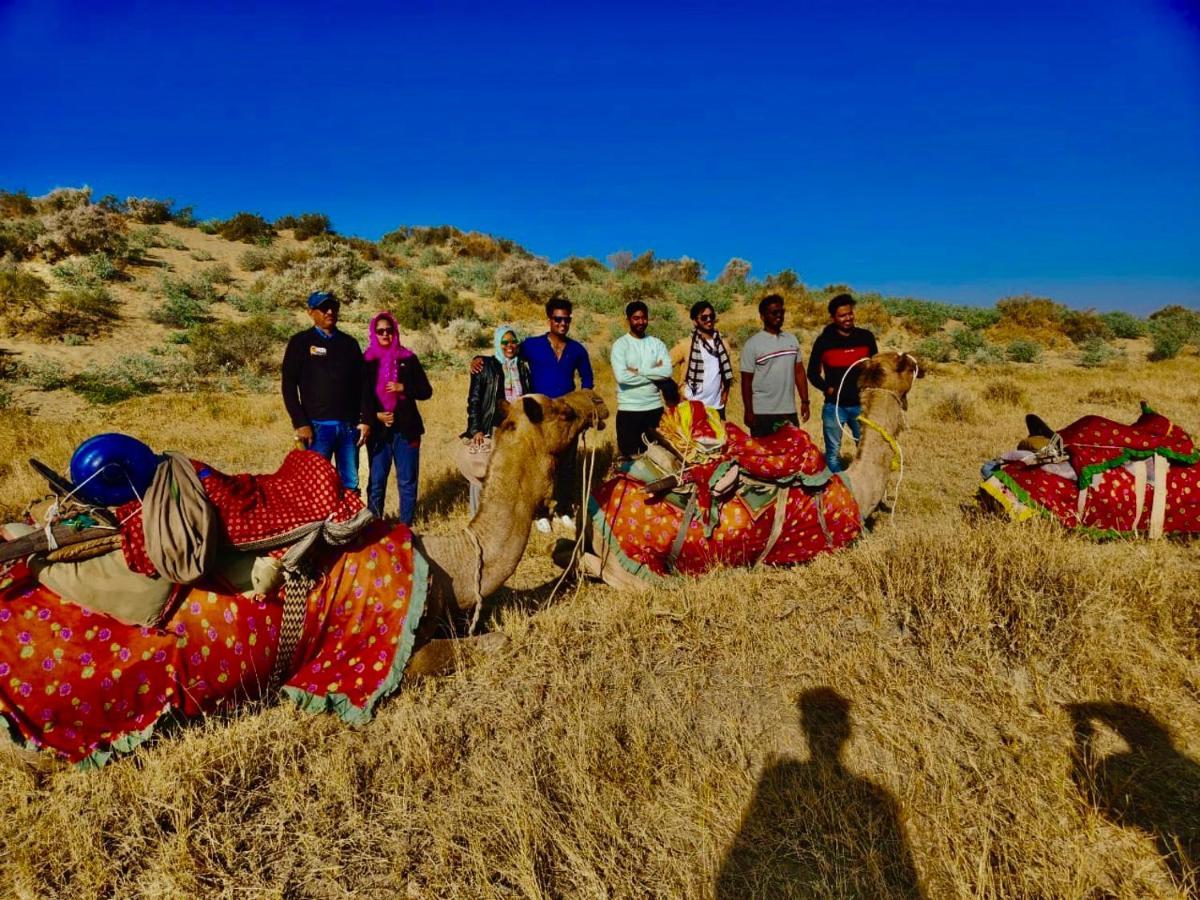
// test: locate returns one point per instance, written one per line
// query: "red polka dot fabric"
(643, 529)
(1100, 451)
(80, 684)
(256, 507)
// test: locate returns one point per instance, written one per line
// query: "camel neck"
(868, 474)
(510, 497)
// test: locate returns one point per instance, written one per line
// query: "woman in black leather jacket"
(504, 376)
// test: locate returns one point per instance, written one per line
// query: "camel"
(885, 381)
(377, 614)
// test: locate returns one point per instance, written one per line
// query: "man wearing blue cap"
(326, 395)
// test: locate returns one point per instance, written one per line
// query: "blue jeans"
(382, 451)
(832, 417)
(338, 441)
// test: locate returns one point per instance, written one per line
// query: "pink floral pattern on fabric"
(75, 682)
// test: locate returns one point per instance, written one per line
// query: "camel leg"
(442, 656)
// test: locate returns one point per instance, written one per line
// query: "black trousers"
(630, 428)
(765, 425)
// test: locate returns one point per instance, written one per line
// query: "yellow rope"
(877, 428)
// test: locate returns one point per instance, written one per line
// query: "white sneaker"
(542, 525)
(567, 522)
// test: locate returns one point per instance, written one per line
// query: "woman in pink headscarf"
(400, 382)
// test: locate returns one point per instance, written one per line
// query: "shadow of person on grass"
(814, 829)
(1151, 787)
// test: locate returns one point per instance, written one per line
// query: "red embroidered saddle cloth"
(254, 508)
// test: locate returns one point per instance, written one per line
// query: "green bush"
(1084, 326)
(584, 268)
(1124, 325)
(19, 237)
(249, 228)
(1095, 353)
(45, 375)
(1172, 329)
(22, 297)
(474, 275)
(598, 299)
(1022, 351)
(419, 304)
(186, 302)
(255, 259)
(83, 311)
(306, 225)
(231, 347)
(131, 377)
(86, 271)
(966, 342)
(531, 279)
(721, 296)
(432, 256)
(936, 348)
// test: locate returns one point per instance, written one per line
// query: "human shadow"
(814, 829)
(1151, 787)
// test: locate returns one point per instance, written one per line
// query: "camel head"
(891, 371)
(551, 425)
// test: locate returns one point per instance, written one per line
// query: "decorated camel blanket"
(82, 685)
(1110, 480)
(741, 501)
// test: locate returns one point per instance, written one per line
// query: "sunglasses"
(510, 342)
(560, 319)
(707, 317)
(384, 331)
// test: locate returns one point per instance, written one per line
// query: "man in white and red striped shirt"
(838, 348)
(772, 373)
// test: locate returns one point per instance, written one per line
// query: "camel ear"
(533, 410)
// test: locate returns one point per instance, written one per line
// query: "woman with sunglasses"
(504, 376)
(399, 382)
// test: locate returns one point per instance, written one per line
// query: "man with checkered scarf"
(708, 374)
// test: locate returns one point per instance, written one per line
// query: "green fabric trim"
(641, 570)
(126, 743)
(340, 703)
(1130, 455)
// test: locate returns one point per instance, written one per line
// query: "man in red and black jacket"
(834, 353)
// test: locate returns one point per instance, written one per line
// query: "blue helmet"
(111, 469)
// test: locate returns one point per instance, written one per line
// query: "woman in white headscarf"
(504, 376)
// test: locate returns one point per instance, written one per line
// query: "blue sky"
(956, 151)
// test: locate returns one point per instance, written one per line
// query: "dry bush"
(229, 347)
(873, 315)
(477, 245)
(82, 312)
(306, 225)
(736, 271)
(532, 280)
(149, 211)
(16, 205)
(1113, 395)
(337, 271)
(1005, 392)
(61, 199)
(81, 230)
(250, 228)
(22, 298)
(954, 407)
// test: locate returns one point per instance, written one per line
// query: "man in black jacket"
(326, 395)
(832, 366)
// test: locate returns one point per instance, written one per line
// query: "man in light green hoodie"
(638, 360)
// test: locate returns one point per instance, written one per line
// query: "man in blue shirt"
(554, 361)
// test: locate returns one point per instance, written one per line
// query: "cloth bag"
(179, 522)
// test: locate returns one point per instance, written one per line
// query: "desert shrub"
(82, 230)
(132, 376)
(966, 342)
(920, 318)
(209, 226)
(252, 302)
(736, 271)
(7, 397)
(15, 205)
(721, 296)
(306, 225)
(421, 235)
(201, 255)
(286, 257)
(872, 315)
(1005, 391)
(419, 304)
(235, 346)
(1095, 353)
(368, 250)
(61, 199)
(531, 279)
(184, 217)
(598, 299)
(249, 228)
(150, 237)
(45, 374)
(584, 268)
(22, 298)
(337, 271)
(474, 275)
(744, 332)
(684, 270)
(186, 302)
(149, 211)
(83, 311)
(1123, 325)
(667, 324)
(19, 237)
(469, 334)
(1113, 396)
(936, 348)
(476, 245)
(218, 274)
(432, 256)
(954, 407)
(1030, 312)
(1086, 325)
(379, 289)
(784, 280)
(620, 260)
(1023, 351)
(987, 355)
(1172, 329)
(640, 289)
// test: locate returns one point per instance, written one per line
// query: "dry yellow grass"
(615, 746)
